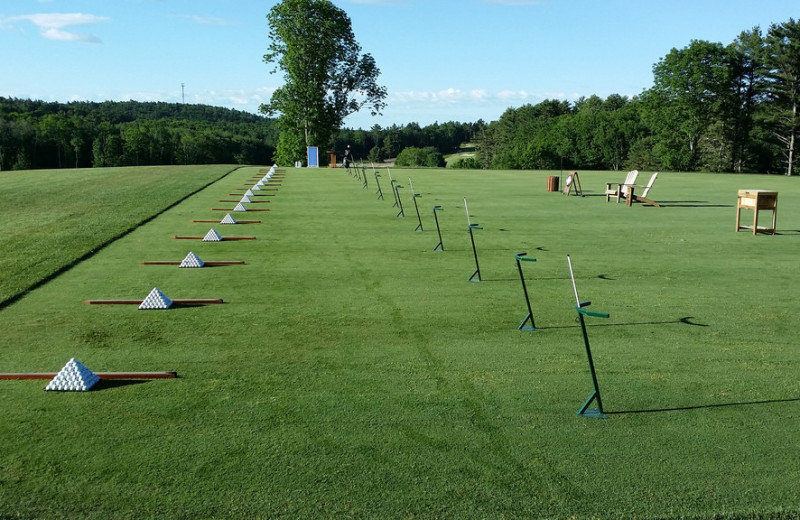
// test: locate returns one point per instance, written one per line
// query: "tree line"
(379, 144)
(39, 134)
(717, 108)
(712, 107)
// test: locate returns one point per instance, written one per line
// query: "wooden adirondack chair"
(618, 190)
(632, 197)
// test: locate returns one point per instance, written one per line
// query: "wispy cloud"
(207, 20)
(53, 26)
(457, 96)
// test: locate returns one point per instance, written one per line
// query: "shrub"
(465, 163)
(376, 154)
(416, 157)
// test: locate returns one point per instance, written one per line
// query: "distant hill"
(38, 134)
(126, 111)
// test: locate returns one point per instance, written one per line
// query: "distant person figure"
(347, 159)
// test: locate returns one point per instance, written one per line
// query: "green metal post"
(400, 213)
(439, 246)
(416, 207)
(394, 192)
(595, 395)
(379, 192)
(475, 253)
(521, 257)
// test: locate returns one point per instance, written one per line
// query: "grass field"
(54, 218)
(355, 372)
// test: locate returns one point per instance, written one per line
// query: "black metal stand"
(585, 411)
(397, 187)
(416, 207)
(520, 257)
(394, 192)
(379, 192)
(439, 246)
(477, 272)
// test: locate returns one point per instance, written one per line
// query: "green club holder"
(585, 411)
(476, 276)
(440, 245)
(521, 257)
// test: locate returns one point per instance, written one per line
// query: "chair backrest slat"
(649, 184)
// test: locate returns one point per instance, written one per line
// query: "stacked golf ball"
(73, 377)
(155, 300)
(191, 260)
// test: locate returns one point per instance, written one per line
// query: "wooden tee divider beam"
(231, 209)
(178, 262)
(101, 375)
(218, 222)
(253, 195)
(223, 238)
(251, 202)
(194, 301)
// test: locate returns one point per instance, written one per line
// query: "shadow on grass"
(686, 320)
(703, 406)
(185, 305)
(108, 384)
(691, 204)
(535, 278)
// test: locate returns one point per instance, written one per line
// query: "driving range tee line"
(218, 222)
(205, 262)
(192, 260)
(247, 201)
(242, 209)
(221, 238)
(187, 302)
(101, 375)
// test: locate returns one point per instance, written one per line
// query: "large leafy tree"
(688, 95)
(326, 76)
(746, 55)
(783, 74)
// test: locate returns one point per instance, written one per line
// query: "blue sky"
(441, 60)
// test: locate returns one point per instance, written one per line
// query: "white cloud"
(53, 25)
(208, 20)
(455, 95)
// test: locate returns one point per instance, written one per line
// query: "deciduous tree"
(326, 76)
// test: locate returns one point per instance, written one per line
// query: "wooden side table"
(757, 200)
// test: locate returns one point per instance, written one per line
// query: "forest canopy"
(38, 134)
(712, 107)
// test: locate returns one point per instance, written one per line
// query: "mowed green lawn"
(355, 372)
(53, 218)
